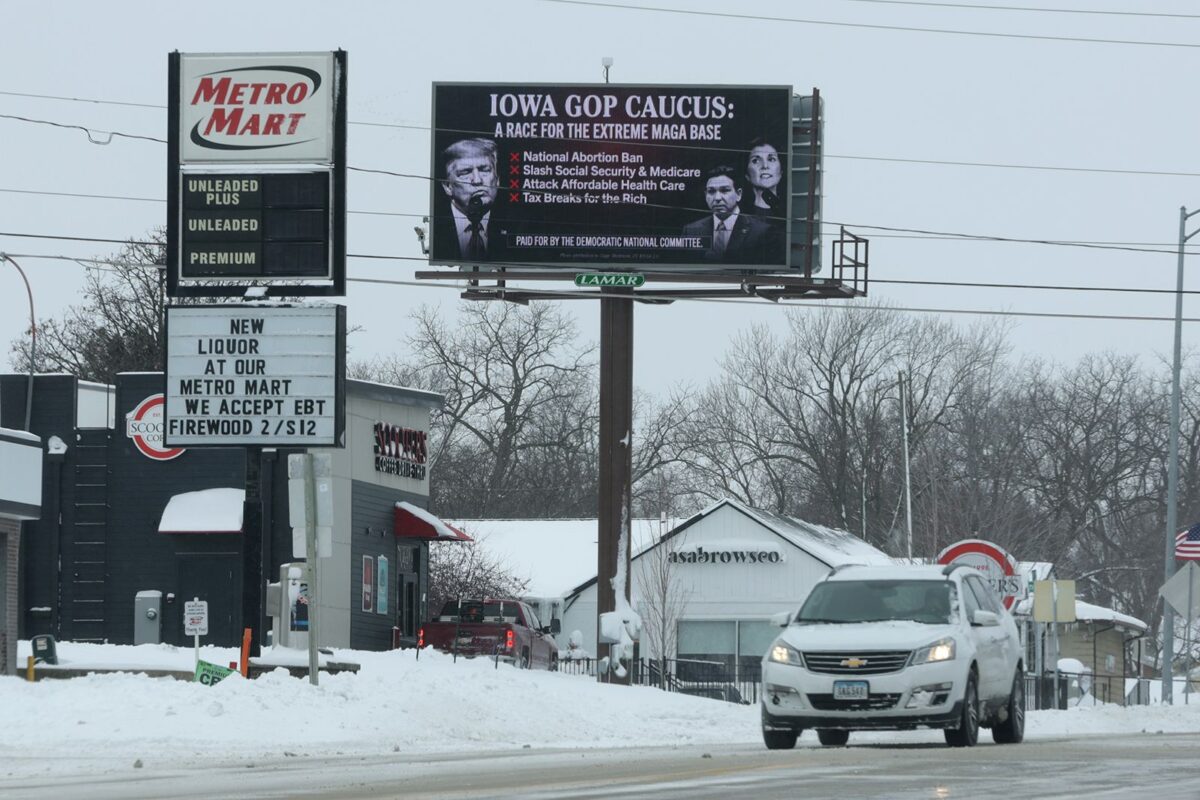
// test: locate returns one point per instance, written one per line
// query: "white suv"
(895, 648)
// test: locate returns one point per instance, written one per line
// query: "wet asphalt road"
(1158, 766)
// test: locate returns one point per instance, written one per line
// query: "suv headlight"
(941, 650)
(782, 654)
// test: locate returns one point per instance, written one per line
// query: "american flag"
(1187, 544)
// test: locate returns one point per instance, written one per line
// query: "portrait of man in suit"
(471, 182)
(728, 235)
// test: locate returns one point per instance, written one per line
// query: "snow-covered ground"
(396, 703)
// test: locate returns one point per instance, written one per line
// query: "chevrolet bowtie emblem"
(854, 663)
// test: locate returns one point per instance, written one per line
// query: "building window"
(754, 639)
(723, 650)
(368, 583)
(381, 594)
(707, 650)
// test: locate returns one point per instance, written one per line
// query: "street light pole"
(1168, 623)
(32, 341)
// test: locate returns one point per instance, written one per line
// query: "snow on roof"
(24, 436)
(555, 555)
(830, 545)
(1036, 570)
(558, 556)
(886, 572)
(1087, 612)
(205, 511)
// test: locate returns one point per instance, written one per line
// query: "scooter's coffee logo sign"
(256, 108)
(400, 451)
(144, 425)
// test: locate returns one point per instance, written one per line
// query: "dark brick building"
(100, 541)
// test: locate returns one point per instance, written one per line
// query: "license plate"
(850, 690)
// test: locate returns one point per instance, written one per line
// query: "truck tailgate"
(472, 638)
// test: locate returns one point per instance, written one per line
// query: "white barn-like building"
(734, 566)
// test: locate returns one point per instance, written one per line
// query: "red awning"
(413, 521)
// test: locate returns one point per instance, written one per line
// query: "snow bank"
(397, 703)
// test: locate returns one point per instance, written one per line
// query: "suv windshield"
(872, 601)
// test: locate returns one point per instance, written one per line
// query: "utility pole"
(907, 481)
(1168, 623)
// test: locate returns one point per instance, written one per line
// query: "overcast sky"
(1112, 117)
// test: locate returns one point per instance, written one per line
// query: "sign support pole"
(1054, 631)
(252, 544)
(196, 644)
(310, 556)
(616, 459)
(1187, 657)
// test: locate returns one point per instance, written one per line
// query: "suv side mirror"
(782, 619)
(985, 619)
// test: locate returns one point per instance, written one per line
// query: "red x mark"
(513, 156)
(514, 170)
(514, 197)
(514, 183)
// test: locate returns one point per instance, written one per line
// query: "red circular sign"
(145, 426)
(998, 567)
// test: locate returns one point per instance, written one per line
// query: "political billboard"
(564, 176)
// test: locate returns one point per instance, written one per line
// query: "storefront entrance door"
(217, 578)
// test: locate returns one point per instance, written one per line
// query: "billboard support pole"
(616, 461)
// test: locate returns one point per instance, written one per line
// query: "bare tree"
(516, 385)
(117, 327)
(467, 570)
(663, 600)
(809, 424)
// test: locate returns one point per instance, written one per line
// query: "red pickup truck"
(505, 629)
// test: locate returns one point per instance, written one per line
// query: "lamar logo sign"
(256, 107)
(702, 556)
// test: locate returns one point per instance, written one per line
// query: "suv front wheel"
(779, 740)
(1012, 730)
(833, 737)
(967, 732)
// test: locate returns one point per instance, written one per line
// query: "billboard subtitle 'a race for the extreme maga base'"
(618, 175)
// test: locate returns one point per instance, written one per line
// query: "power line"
(1028, 8)
(885, 159)
(81, 99)
(896, 281)
(989, 238)
(942, 237)
(949, 235)
(1046, 286)
(86, 196)
(870, 26)
(553, 294)
(1038, 167)
(90, 132)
